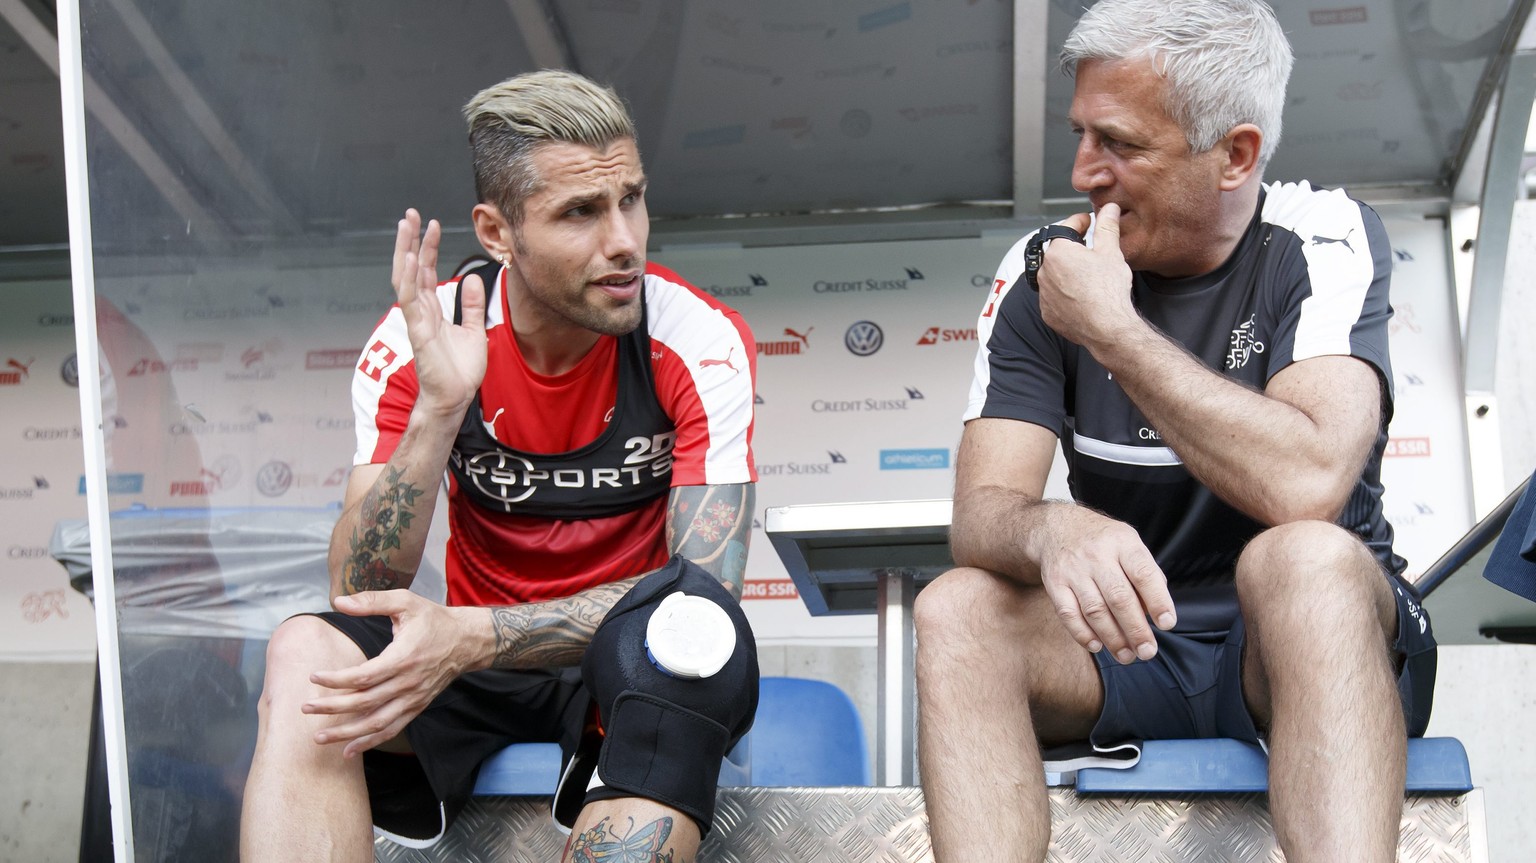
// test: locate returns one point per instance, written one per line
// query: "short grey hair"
(1226, 61)
(511, 120)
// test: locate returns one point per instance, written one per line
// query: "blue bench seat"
(1436, 765)
(807, 733)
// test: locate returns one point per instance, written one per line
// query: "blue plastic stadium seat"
(533, 769)
(1436, 765)
(806, 733)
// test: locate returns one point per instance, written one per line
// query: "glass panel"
(248, 162)
(1380, 93)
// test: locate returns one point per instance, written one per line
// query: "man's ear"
(493, 231)
(1242, 147)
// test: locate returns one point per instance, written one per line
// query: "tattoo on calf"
(642, 844)
(385, 513)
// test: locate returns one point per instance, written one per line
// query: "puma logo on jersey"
(1319, 240)
(706, 363)
(490, 424)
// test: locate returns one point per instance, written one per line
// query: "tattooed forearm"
(553, 634)
(711, 526)
(708, 524)
(386, 512)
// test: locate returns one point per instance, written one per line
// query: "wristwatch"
(1034, 250)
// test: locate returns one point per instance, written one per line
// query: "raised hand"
(1105, 584)
(450, 358)
(382, 695)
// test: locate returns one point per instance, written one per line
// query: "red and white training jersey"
(703, 367)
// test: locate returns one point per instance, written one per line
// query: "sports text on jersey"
(513, 478)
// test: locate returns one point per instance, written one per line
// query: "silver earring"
(501, 259)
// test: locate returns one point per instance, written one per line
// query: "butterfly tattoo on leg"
(600, 844)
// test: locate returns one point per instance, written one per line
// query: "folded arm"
(1291, 452)
(707, 524)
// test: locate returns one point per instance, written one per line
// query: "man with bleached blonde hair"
(593, 414)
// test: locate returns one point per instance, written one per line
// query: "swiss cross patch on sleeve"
(376, 359)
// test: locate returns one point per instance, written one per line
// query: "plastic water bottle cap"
(690, 636)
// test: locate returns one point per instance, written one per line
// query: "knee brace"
(663, 736)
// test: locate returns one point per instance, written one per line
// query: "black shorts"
(1193, 687)
(415, 798)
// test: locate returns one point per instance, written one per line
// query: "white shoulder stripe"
(1008, 272)
(716, 357)
(1340, 263)
(387, 351)
(1147, 456)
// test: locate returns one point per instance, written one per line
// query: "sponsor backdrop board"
(229, 388)
(40, 424)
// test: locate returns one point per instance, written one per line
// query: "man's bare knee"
(966, 613)
(955, 605)
(1311, 594)
(1007, 635)
(299, 647)
(1311, 566)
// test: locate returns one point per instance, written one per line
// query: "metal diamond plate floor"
(888, 825)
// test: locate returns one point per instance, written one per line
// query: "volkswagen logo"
(70, 371)
(274, 478)
(863, 338)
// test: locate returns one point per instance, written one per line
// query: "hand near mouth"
(1085, 293)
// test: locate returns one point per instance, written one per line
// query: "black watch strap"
(1034, 250)
(1059, 232)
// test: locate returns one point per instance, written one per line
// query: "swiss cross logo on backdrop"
(934, 335)
(378, 358)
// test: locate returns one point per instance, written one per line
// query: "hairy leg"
(303, 801)
(631, 830)
(1317, 670)
(996, 673)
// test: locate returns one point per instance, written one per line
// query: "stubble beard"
(617, 321)
(598, 313)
